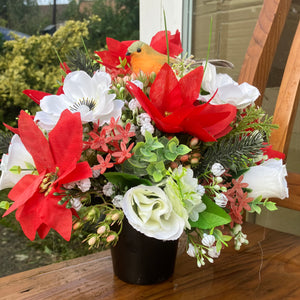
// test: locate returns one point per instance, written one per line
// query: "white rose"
(267, 180)
(17, 156)
(149, 210)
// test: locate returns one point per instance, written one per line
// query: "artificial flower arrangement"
(181, 149)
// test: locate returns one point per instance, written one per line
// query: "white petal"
(267, 180)
(17, 156)
(149, 211)
(79, 85)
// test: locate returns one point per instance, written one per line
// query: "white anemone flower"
(87, 95)
(17, 156)
(228, 91)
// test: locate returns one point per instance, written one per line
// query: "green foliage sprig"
(233, 152)
(254, 118)
(5, 138)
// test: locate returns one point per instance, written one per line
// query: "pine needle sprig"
(5, 138)
(233, 152)
(79, 60)
(254, 118)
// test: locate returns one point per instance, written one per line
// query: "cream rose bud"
(149, 210)
(217, 169)
(267, 180)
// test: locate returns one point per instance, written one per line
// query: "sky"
(47, 2)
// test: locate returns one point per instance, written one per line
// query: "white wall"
(152, 18)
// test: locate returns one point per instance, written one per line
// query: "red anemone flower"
(172, 106)
(56, 161)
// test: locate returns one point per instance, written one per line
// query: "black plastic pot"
(139, 259)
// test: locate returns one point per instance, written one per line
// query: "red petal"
(57, 216)
(43, 230)
(118, 48)
(36, 96)
(35, 143)
(28, 220)
(14, 130)
(209, 122)
(158, 42)
(23, 190)
(81, 171)
(65, 140)
(190, 85)
(165, 92)
(150, 109)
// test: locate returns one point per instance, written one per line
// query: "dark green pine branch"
(233, 152)
(78, 60)
(5, 138)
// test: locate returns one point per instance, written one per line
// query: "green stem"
(167, 38)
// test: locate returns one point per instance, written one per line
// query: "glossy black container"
(139, 259)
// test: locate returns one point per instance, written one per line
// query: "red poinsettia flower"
(172, 106)
(158, 43)
(116, 52)
(113, 57)
(56, 161)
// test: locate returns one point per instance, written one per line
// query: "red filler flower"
(56, 161)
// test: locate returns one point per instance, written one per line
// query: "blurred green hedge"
(33, 63)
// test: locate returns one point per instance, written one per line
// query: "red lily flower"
(172, 106)
(56, 161)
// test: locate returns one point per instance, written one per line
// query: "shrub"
(33, 63)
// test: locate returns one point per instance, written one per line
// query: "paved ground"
(16, 255)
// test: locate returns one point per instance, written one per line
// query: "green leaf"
(124, 180)
(152, 142)
(270, 205)
(256, 208)
(218, 245)
(173, 149)
(157, 170)
(30, 166)
(5, 205)
(212, 216)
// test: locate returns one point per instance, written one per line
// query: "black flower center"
(90, 103)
